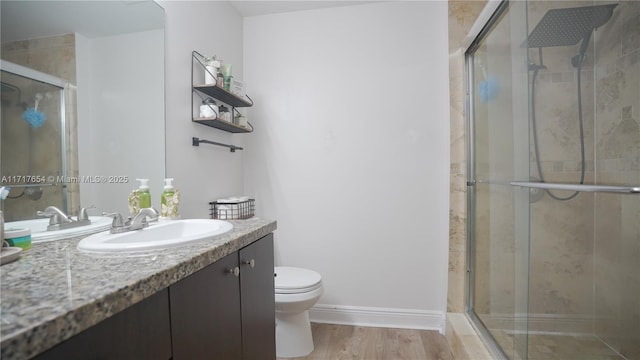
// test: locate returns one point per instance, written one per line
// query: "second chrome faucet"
(58, 220)
(139, 221)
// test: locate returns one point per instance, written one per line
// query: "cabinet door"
(258, 300)
(139, 332)
(205, 313)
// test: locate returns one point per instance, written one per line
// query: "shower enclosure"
(33, 141)
(554, 180)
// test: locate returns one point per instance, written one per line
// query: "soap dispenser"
(169, 200)
(144, 194)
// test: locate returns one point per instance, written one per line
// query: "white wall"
(202, 173)
(207, 172)
(351, 154)
(120, 116)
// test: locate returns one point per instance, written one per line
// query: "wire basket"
(232, 210)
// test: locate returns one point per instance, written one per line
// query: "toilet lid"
(290, 280)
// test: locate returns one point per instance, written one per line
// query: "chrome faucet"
(140, 221)
(58, 220)
(55, 215)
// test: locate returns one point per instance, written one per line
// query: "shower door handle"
(579, 187)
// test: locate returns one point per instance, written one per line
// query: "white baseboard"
(378, 317)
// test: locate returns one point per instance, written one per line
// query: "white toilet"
(297, 290)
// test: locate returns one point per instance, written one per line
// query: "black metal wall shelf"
(222, 125)
(220, 94)
(223, 95)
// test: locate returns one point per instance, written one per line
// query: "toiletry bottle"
(134, 202)
(209, 108)
(169, 200)
(220, 80)
(225, 69)
(223, 113)
(211, 70)
(242, 121)
(145, 195)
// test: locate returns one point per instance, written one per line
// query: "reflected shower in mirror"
(82, 103)
(33, 140)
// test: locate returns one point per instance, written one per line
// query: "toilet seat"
(292, 280)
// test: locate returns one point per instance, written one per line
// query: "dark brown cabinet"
(224, 311)
(227, 310)
(139, 332)
(257, 298)
(205, 313)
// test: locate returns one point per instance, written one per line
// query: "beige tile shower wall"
(567, 258)
(561, 250)
(73, 188)
(590, 242)
(617, 154)
(55, 56)
(561, 232)
(462, 15)
(52, 55)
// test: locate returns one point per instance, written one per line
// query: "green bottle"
(169, 200)
(145, 195)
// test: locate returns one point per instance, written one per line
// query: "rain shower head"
(9, 87)
(564, 27)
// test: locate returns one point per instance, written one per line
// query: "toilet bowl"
(296, 291)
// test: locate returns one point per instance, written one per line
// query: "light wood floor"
(341, 342)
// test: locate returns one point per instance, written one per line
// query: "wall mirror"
(82, 104)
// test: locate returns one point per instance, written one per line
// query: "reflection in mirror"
(33, 141)
(82, 104)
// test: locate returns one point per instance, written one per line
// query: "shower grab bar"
(579, 187)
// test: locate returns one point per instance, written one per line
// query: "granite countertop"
(55, 291)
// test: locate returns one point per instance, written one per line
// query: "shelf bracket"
(196, 142)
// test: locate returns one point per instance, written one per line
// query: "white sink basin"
(39, 231)
(156, 236)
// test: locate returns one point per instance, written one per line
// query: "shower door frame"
(471, 182)
(490, 16)
(49, 79)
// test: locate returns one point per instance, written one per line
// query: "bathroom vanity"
(209, 299)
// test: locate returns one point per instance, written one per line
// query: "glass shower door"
(584, 284)
(554, 173)
(499, 153)
(32, 147)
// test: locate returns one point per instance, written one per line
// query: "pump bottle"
(144, 194)
(169, 200)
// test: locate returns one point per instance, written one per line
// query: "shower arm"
(577, 59)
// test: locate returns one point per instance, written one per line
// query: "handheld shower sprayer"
(565, 27)
(38, 97)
